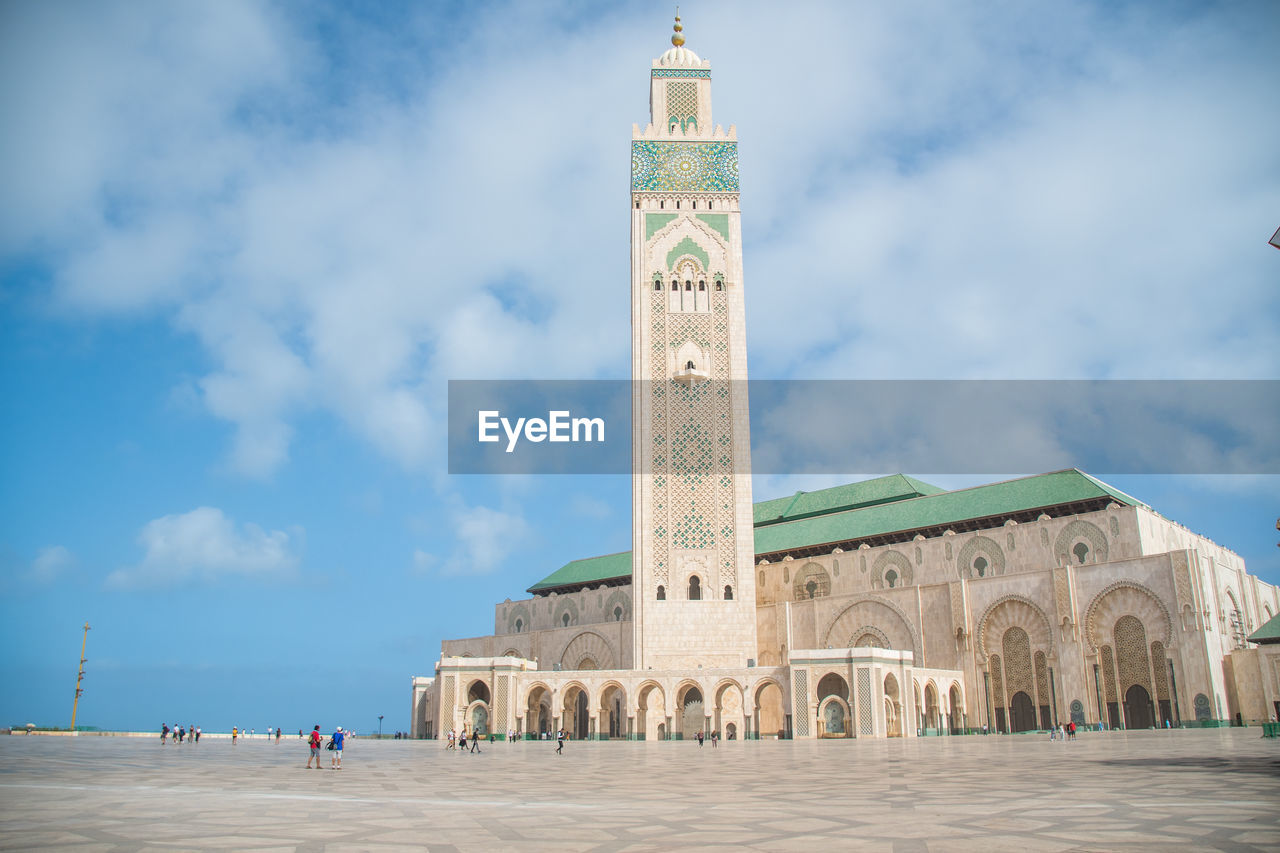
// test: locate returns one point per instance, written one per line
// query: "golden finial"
(678, 39)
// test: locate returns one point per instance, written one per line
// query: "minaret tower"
(693, 547)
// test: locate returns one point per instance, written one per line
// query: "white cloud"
(50, 564)
(1009, 191)
(422, 562)
(485, 538)
(205, 546)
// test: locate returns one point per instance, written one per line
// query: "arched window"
(728, 593)
(695, 589)
(637, 205)
(565, 620)
(662, 593)
(519, 625)
(891, 578)
(657, 285)
(711, 205)
(677, 205)
(980, 566)
(719, 286)
(688, 365)
(812, 588)
(702, 287)
(1081, 551)
(674, 287)
(662, 205)
(695, 205)
(688, 286)
(617, 614)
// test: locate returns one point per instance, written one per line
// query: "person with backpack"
(335, 744)
(314, 742)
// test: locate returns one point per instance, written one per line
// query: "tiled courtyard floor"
(1194, 790)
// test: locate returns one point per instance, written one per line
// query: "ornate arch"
(980, 546)
(520, 614)
(1009, 611)
(897, 630)
(588, 644)
(891, 559)
(568, 606)
(869, 636)
(1127, 598)
(811, 572)
(618, 598)
(1077, 531)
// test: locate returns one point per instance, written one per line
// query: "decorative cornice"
(704, 73)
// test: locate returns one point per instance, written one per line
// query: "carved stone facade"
(1028, 612)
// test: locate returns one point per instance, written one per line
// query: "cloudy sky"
(243, 247)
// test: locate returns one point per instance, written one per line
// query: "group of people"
(714, 737)
(458, 740)
(1063, 731)
(315, 741)
(180, 733)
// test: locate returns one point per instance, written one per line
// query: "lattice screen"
(500, 701)
(800, 701)
(682, 104)
(865, 724)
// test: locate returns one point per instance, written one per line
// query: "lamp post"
(379, 726)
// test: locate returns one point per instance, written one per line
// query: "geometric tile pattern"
(704, 73)
(1117, 791)
(684, 166)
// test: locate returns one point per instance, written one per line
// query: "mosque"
(885, 608)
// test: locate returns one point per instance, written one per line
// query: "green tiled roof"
(587, 570)
(872, 508)
(881, 490)
(1028, 493)
(1268, 633)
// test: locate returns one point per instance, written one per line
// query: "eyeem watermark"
(559, 426)
(859, 426)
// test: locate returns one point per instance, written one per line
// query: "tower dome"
(678, 55)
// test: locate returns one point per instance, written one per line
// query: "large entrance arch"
(1137, 708)
(770, 720)
(651, 712)
(613, 712)
(1022, 713)
(575, 718)
(537, 715)
(692, 712)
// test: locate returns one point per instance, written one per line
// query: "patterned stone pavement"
(1193, 790)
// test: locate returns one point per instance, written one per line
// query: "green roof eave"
(881, 490)
(1028, 493)
(1268, 633)
(587, 570)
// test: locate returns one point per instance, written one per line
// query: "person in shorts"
(335, 761)
(314, 743)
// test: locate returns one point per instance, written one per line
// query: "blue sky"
(243, 247)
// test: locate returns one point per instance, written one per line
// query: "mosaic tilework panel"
(710, 167)
(702, 73)
(658, 423)
(1131, 651)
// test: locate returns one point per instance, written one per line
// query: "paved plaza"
(1195, 790)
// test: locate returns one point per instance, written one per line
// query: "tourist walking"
(235, 733)
(475, 741)
(462, 741)
(335, 762)
(277, 735)
(164, 733)
(560, 741)
(197, 734)
(699, 739)
(314, 743)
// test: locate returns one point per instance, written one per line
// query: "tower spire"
(676, 38)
